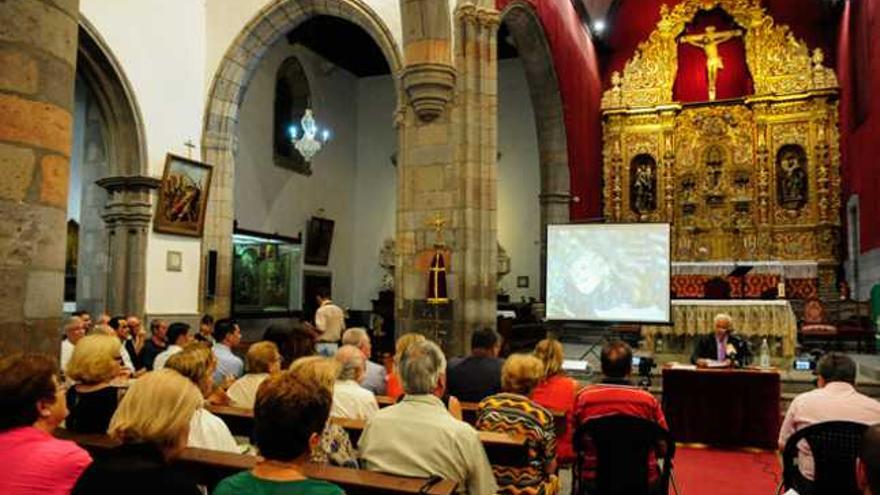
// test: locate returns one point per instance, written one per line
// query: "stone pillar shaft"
(38, 40)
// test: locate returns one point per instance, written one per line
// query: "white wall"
(519, 181)
(161, 47)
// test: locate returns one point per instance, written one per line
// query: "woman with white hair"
(721, 348)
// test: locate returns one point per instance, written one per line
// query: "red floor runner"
(723, 472)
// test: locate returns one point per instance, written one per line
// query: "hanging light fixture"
(312, 139)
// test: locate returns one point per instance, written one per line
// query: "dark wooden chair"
(834, 446)
(815, 327)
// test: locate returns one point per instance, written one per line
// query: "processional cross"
(709, 42)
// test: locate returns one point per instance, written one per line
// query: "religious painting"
(643, 184)
(791, 177)
(183, 197)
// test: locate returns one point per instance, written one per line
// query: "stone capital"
(430, 87)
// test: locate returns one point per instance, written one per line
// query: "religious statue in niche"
(714, 172)
(643, 184)
(791, 177)
(709, 42)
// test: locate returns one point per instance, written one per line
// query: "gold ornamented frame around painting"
(161, 222)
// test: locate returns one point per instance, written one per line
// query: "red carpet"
(700, 471)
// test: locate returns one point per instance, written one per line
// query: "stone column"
(127, 217)
(38, 40)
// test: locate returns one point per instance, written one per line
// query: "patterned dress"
(518, 415)
(335, 449)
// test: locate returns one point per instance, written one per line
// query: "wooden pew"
(239, 420)
(208, 467)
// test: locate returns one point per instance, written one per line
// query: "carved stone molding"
(430, 87)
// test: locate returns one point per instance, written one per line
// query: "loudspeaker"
(211, 274)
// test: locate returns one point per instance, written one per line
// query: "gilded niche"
(643, 184)
(791, 177)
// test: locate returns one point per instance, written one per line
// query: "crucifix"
(189, 148)
(709, 42)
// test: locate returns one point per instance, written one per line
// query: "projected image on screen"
(614, 272)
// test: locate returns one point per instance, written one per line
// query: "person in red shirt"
(615, 394)
(556, 392)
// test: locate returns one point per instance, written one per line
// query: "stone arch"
(525, 27)
(120, 147)
(220, 133)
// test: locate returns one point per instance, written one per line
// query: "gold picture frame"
(183, 197)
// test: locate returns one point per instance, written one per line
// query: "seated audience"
(120, 327)
(556, 392)
(86, 318)
(868, 462)
(95, 363)
(290, 413)
(722, 346)
(74, 329)
(350, 400)
(615, 394)
(177, 337)
(393, 388)
(836, 399)
(335, 447)
(138, 337)
(32, 405)
(262, 360)
(152, 423)
(477, 376)
(513, 412)
(293, 342)
(156, 345)
(418, 437)
(196, 362)
(227, 335)
(206, 329)
(374, 378)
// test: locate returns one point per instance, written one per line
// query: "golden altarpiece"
(751, 178)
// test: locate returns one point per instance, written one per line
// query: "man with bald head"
(374, 378)
(721, 348)
(350, 400)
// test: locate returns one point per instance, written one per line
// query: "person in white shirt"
(74, 329)
(418, 437)
(350, 400)
(263, 360)
(206, 431)
(330, 323)
(177, 337)
(374, 378)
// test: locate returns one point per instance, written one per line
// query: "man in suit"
(721, 346)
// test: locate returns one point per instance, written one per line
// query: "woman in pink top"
(556, 393)
(32, 404)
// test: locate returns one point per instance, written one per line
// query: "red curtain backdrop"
(692, 81)
(580, 86)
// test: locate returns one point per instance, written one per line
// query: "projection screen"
(608, 272)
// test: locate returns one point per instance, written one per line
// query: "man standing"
(74, 329)
(721, 348)
(836, 399)
(227, 335)
(477, 376)
(418, 437)
(330, 323)
(374, 378)
(156, 344)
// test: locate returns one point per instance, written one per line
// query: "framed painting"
(183, 197)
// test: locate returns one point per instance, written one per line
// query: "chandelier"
(309, 144)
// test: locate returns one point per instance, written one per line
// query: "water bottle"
(765, 354)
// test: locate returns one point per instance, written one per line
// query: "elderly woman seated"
(96, 362)
(289, 415)
(152, 422)
(350, 400)
(262, 360)
(513, 412)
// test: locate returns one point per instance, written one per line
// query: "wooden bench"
(208, 467)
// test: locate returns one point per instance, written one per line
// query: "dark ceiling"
(342, 43)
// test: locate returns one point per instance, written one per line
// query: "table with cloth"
(762, 318)
(723, 407)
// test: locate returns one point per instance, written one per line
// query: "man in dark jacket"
(721, 347)
(477, 376)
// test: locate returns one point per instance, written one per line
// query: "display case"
(266, 274)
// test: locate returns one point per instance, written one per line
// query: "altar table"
(761, 318)
(731, 408)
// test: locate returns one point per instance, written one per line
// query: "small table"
(723, 407)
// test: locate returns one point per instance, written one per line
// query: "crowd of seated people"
(155, 414)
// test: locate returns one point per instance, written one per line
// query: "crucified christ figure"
(709, 42)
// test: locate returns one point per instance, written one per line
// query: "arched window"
(291, 99)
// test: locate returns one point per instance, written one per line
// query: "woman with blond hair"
(152, 423)
(335, 446)
(92, 400)
(557, 392)
(262, 360)
(197, 363)
(513, 412)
